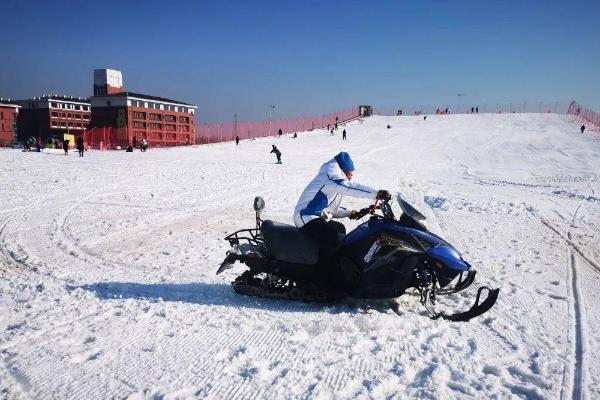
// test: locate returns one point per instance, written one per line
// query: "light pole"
(235, 126)
(271, 108)
(460, 95)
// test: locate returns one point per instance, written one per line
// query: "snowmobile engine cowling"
(449, 256)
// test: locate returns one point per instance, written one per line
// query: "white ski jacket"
(324, 194)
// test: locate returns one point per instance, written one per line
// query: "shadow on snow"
(216, 294)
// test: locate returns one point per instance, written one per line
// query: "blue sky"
(306, 57)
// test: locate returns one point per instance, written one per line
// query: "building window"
(170, 127)
(184, 120)
(170, 118)
(139, 115)
(155, 117)
(53, 105)
(154, 125)
(139, 124)
(78, 116)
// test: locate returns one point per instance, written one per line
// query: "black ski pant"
(325, 234)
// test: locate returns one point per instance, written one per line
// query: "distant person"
(446, 110)
(79, 145)
(582, 128)
(38, 145)
(477, 110)
(472, 110)
(143, 145)
(295, 135)
(344, 134)
(66, 146)
(280, 132)
(328, 127)
(277, 153)
(389, 126)
(336, 126)
(134, 142)
(129, 149)
(425, 118)
(331, 132)
(237, 140)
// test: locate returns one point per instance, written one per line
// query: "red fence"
(247, 130)
(585, 115)
(104, 138)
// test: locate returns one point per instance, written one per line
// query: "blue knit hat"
(344, 161)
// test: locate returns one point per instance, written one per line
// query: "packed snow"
(108, 285)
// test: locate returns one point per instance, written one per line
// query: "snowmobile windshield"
(448, 256)
(409, 209)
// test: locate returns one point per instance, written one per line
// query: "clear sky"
(306, 57)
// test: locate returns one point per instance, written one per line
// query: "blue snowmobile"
(380, 259)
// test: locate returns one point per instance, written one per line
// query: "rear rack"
(251, 236)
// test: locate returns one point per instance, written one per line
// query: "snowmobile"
(381, 258)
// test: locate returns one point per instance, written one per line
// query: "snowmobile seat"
(286, 243)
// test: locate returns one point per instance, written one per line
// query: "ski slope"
(108, 286)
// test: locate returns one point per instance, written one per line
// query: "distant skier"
(277, 153)
(582, 128)
(472, 110)
(344, 134)
(237, 140)
(143, 145)
(477, 110)
(295, 135)
(79, 145)
(280, 132)
(66, 146)
(425, 118)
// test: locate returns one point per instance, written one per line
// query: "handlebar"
(384, 206)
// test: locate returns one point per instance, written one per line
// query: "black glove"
(355, 214)
(383, 195)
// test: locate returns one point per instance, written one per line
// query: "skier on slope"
(320, 202)
(277, 153)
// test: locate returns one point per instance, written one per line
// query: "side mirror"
(259, 204)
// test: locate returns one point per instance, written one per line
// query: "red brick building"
(8, 122)
(161, 121)
(51, 116)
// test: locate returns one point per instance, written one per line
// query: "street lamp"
(460, 95)
(235, 126)
(271, 108)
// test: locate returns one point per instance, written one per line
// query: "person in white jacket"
(320, 202)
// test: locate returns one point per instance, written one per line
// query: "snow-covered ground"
(108, 286)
